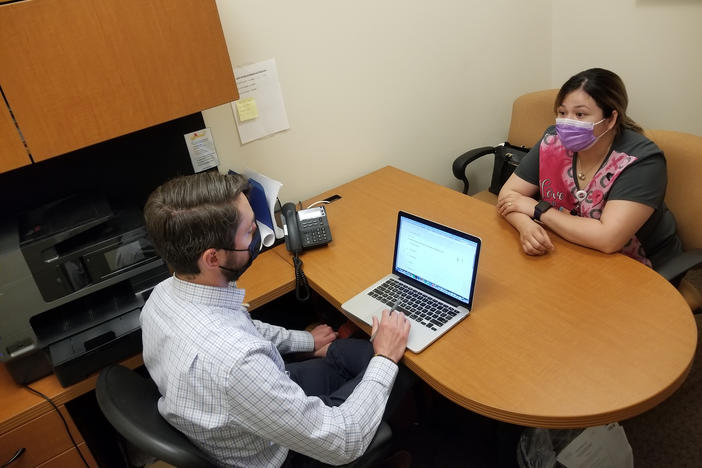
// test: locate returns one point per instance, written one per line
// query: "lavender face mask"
(577, 135)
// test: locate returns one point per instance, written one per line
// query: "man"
(221, 374)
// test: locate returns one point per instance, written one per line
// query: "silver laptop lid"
(436, 258)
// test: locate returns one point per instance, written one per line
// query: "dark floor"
(439, 433)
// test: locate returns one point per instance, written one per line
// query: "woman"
(600, 181)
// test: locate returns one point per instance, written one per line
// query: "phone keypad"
(314, 232)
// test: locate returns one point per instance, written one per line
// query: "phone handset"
(291, 228)
(293, 243)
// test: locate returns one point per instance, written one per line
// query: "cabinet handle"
(14, 457)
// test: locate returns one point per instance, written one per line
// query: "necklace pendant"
(581, 176)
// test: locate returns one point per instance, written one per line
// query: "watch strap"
(540, 208)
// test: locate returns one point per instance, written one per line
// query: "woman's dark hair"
(608, 91)
(188, 215)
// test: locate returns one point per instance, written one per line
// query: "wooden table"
(22, 412)
(575, 338)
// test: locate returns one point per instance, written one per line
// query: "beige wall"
(371, 83)
(654, 45)
(415, 83)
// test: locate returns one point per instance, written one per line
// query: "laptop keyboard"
(414, 303)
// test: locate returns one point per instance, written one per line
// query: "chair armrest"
(459, 165)
(677, 266)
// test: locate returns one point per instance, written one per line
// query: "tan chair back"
(532, 113)
(683, 153)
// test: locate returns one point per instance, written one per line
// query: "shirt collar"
(229, 297)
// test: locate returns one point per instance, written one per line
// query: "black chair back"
(129, 402)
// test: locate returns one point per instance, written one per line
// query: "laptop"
(432, 281)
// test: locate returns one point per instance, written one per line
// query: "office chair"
(532, 113)
(129, 402)
(683, 154)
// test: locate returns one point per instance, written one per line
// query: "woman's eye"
(579, 115)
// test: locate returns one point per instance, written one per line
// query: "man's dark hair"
(188, 215)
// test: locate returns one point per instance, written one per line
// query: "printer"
(74, 275)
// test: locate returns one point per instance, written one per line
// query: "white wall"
(370, 83)
(416, 83)
(654, 45)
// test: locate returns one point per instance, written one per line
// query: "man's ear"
(208, 259)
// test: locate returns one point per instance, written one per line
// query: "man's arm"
(286, 341)
(269, 404)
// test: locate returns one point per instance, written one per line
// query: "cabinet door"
(43, 439)
(12, 151)
(77, 72)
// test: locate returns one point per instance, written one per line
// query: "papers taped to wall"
(260, 110)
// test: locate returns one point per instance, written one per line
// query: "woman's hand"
(516, 197)
(534, 238)
(515, 202)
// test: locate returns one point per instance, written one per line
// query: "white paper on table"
(201, 149)
(598, 447)
(271, 187)
(259, 81)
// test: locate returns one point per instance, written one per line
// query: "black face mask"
(254, 249)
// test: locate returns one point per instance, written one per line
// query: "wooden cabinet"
(30, 422)
(45, 443)
(78, 72)
(12, 151)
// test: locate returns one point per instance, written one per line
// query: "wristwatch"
(541, 208)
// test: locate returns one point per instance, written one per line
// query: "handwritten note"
(247, 109)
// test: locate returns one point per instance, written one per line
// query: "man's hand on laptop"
(323, 335)
(390, 334)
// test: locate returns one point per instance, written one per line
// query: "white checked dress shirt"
(223, 382)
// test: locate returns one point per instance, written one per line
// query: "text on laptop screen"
(436, 258)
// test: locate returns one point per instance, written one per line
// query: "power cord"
(302, 288)
(65, 424)
(320, 202)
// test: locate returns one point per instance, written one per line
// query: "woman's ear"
(612, 120)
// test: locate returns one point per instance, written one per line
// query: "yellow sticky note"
(247, 109)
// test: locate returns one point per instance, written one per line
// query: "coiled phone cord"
(302, 288)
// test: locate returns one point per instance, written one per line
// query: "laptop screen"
(437, 256)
